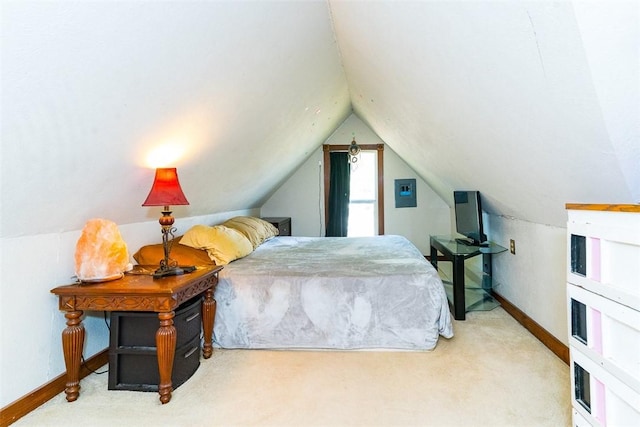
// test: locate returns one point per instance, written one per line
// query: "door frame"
(327, 149)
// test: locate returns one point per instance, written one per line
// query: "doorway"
(362, 200)
(377, 150)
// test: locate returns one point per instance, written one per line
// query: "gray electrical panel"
(406, 193)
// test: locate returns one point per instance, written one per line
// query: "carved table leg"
(72, 344)
(208, 316)
(166, 345)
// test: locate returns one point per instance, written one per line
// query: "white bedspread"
(333, 293)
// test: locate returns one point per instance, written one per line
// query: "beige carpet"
(492, 373)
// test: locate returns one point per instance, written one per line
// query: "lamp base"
(172, 271)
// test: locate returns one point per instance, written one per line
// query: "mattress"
(331, 293)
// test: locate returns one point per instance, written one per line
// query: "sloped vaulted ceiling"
(532, 103)
(244, 90)
(501, 97)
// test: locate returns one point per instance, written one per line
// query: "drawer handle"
(190, 352)
(193, 316)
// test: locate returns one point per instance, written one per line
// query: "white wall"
(610, 34)
(431, 216)
(534, 279)
(30, 322)
(300, 197)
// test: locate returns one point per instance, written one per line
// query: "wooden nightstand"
(283, 224)
(137, 292)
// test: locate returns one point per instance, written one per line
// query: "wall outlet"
(512, 246)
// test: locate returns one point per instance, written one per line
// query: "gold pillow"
(255, 229)
(182, 254)
(223, 244)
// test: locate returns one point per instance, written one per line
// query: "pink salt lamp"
(101, 254)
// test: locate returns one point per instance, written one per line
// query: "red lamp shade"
(166, 189)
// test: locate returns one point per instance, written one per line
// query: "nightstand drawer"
(132, 329)
(283, 224)
(137, 370)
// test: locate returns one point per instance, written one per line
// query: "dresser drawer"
(601, 397)
(607, 332)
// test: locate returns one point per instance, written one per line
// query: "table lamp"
(166, 191)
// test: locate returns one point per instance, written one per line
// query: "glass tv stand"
(475, 295)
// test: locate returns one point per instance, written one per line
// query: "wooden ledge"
(602, 207)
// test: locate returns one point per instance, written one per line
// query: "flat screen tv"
(468, 210)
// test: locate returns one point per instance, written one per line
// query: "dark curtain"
(339, 181)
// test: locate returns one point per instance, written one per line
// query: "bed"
(331, 293)
(314, 292)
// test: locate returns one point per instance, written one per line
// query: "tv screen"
(468, 212)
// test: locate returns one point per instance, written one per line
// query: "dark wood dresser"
(282, 223)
